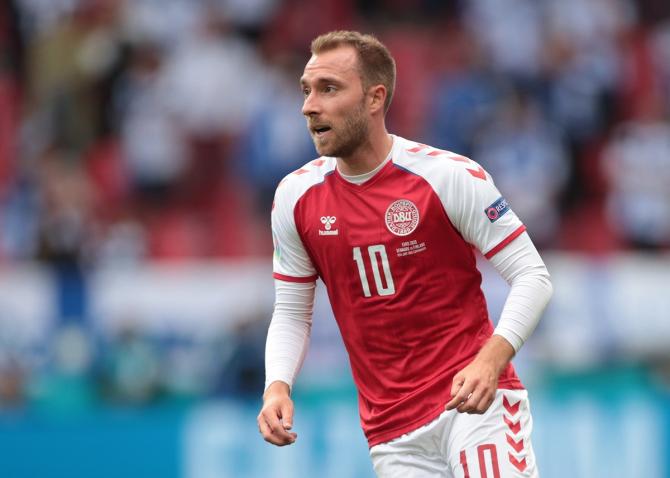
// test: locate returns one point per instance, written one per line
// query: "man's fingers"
(278, 436)
(280, 433)
(456, 385)
(265, 430)
(485, 402)
(462, 395)
(287, 415)
(273, 431)
(469, 405)
(478, 402)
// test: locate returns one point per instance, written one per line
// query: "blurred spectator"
(124, 243)
(279, 141)
(64, 384)
(244, 374)
(66, 230)
(524, 155)
(68, 60)
(661, 57)
(153, 147)
(583, 63)
(66, 206)
(637, 163)
(512, 43)
(297, 22)
(250, 15)
(160, 22)
(212, 79)
(412, 47)
(465, 93)
(19, 220)
(584, 68)
(12, 382)
(12, 77)
(131, 369)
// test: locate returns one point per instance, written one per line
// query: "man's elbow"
(547, 285)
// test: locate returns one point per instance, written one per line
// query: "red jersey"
(396, 255)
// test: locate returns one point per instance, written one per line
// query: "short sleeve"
(290, 259)
(478, 211)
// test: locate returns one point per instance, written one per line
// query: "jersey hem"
(375, 440)
(388, 436)
(303, 280)
(519, 230)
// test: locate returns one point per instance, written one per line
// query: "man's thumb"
(287, 416)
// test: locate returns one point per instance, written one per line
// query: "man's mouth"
(320, 130)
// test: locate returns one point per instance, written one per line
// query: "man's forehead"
(341, 61)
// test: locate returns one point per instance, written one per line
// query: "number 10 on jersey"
(375, 252)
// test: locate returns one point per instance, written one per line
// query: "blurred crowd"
(135, 130)
(158, 129)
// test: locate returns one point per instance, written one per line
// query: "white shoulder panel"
(290, 261)
(470, 198)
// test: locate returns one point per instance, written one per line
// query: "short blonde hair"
(376, 65)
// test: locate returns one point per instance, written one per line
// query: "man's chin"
(324, 150)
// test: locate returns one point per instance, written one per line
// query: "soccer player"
(389, 225)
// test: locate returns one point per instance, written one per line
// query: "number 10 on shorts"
(484, 463)
(377, 255)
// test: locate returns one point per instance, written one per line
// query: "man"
(389, 225)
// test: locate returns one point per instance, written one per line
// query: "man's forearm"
(522, 267)
(289, 332)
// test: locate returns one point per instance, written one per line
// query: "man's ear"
(377, 97)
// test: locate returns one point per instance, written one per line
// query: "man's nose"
(310, 106)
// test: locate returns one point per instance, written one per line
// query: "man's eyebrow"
(322, 79)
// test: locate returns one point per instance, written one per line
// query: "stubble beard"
(349, 138)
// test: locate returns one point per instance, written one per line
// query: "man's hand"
(474, 388)
(276, 417)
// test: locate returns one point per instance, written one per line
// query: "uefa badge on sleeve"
(497, 209)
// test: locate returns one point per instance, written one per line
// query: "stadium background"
(140, 143)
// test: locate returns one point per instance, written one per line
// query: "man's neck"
(366, 158)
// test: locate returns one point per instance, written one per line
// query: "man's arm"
(519, 263)
(522, 267)
(286, 346)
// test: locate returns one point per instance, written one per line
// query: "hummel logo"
(328, 222)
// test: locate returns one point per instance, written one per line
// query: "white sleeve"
(289, 331)
(522, 267)
(477, 209)
(290, 262)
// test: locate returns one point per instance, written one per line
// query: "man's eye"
(305, 92)
(329, 89)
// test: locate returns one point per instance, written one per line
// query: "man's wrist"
(277, 387)
(497, 351)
